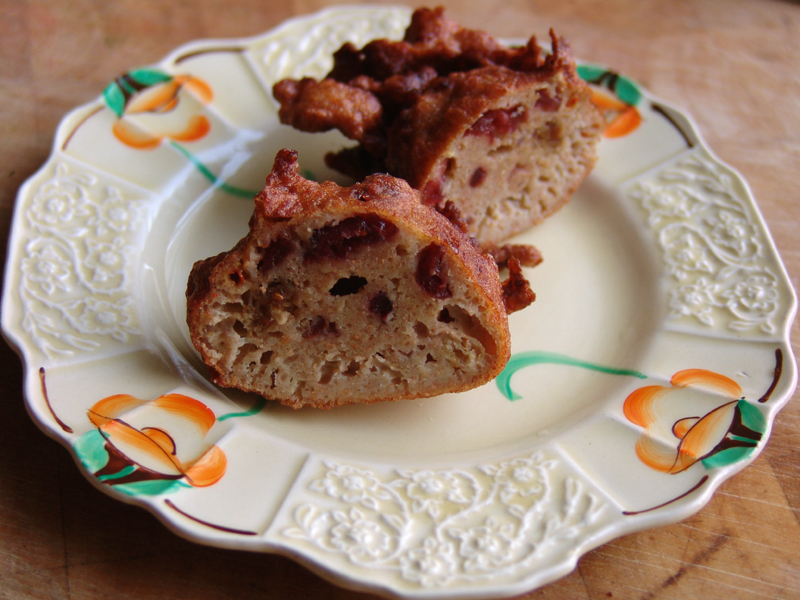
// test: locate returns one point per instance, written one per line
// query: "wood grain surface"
(732, 64)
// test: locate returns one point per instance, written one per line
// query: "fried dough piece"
(507, 134)
(344, 295)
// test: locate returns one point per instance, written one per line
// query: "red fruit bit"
(346, 237)
(499, 122)
(548, 103)
(450, 212)
(430, 272)
(320, 326)
(381, 305)
(432, 193)
(478, 177)
(274, 254)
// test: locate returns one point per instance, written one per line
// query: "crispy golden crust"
(517, 292)
(315, 106)
(526, 254)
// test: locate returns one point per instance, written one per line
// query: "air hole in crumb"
(444, 316)
(449, 167)
(472, 327)
(266, 357)
(239, 328)
(347, 286)
(429, 359)
(233, 307)
(329, 369)
(236, 277)
(245, 350)
(504, 149)
(421, 329)
(353, 368)
(401, 250)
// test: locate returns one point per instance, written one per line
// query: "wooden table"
(732, 64)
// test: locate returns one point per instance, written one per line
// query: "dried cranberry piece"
(478, 177)
(548, 103)
(274, 254)
(381, 305)
(450, 212)
(499, 122)
(430, 272)
(350, 235)
(432, 193)
(320, 326)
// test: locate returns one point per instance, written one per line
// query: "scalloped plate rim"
(672, 514)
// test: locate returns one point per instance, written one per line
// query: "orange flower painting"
(617, 97)
(672, 442)
(152, 106)
(621, 119)
(151, 447)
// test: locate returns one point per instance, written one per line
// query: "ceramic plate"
(648, 371)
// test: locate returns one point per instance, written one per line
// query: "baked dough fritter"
(341, 295)
(507, 134)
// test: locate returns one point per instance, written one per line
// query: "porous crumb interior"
(507, 179)
(298, 324)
